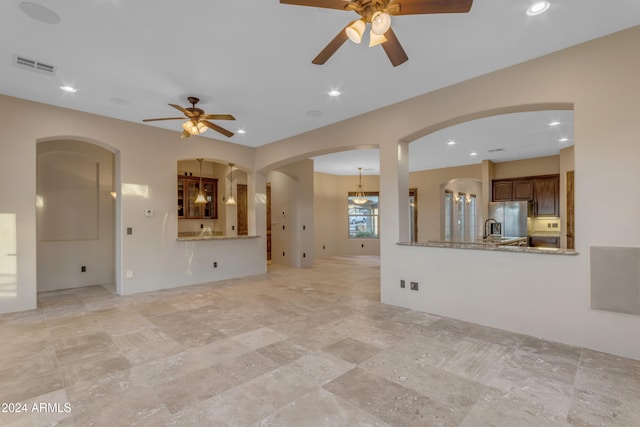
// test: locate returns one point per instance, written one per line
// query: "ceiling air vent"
(33, 65)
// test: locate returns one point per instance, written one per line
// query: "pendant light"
(360, 198)
(200, 200)
(230, 199)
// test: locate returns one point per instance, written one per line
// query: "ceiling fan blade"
(184, 111)
(327, 4)
(419, 7)
(332, 47)
(166, 118)
(185, 134)
(393, 49)
(218, 117)
(217, 128)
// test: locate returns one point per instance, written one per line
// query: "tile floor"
(310, 347)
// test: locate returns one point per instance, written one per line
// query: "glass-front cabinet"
(188, 188)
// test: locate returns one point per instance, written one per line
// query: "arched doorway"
(76, 215)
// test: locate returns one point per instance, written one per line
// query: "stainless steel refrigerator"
(512, 216)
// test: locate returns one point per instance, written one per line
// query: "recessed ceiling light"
(538, 8)
(451, 143)
(563, 139)
(554, 123)
(68, 89)
(39, 12)
(473, 153)
(242, 131)
(334, 93)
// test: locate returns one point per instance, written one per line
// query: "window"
(459, 217)
(363, 219)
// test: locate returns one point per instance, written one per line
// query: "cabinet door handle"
(12, 254)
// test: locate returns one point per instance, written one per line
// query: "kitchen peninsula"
(491, 246)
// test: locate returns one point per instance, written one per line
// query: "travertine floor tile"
(321, 408)
(296, 348)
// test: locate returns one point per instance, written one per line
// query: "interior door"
(268, 223)
(243, 225)
(570, 212)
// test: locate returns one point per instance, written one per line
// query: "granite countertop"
(191, 237)
(489, 246)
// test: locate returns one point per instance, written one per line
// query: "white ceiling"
(501, 138)
(252, 58)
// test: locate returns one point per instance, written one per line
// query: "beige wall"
(550, 297)
(145, 158)
(528, 167)
(331, 236)
(541, 295)
(75, 213)
(292, 214)
(429, 185)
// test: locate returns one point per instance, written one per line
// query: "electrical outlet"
(402, 285)
(233, 228)
(304, 255)
(129, 274)
(83, 269)
(215, 264)
(414, 286)
(129, 230)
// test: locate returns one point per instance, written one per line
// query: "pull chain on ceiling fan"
(197, 121)
(378, 13)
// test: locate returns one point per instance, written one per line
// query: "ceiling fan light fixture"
(380, 23)
(376, 39)
(194, 128)
(356, 30)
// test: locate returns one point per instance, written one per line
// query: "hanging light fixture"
(230, 199)
(200, 199)
(376, 39)
(194, 127)
(360, 198)
(356, 30)
(380, 23)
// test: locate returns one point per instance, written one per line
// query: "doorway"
(75, 212)
(268, 223)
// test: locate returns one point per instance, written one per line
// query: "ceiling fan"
(378, 14)
(197, 121)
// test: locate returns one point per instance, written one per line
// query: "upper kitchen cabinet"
(546, 196)
(522, 190)
(543, 191)
(501, 191)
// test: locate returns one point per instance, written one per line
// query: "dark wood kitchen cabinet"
(522, 190)
(546, 196)
(543, 191)
(544, 242)
(188, 188)
(501, 191)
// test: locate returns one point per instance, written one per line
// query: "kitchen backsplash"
(544, 225)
